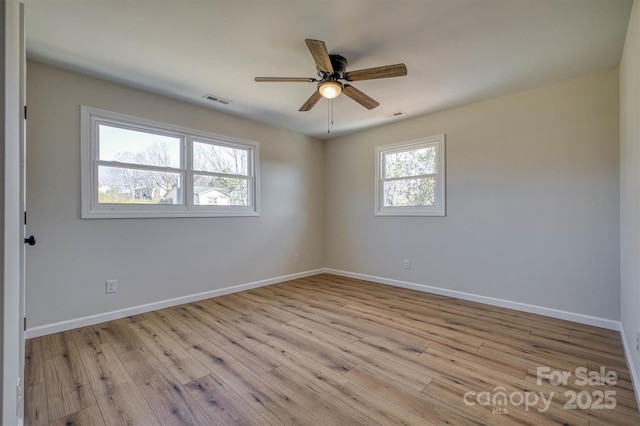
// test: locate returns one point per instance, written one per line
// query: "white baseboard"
(518, 306)
(122, 313)
(635, 379)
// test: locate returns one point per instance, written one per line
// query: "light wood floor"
(324, 350)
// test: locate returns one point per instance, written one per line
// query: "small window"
(139, 168)
(410, 178)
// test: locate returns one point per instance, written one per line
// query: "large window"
(133, 167)
(410, 178)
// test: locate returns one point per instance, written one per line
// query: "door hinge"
(25, 112)
(24, 324)
(25, 218)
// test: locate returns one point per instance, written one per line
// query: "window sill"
(139, 214)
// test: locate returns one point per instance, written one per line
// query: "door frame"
(12, 230)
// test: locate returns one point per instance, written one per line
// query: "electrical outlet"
(407, 264)
(112, 286)
(296, 258)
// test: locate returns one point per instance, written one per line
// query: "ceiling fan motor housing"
(339, 64)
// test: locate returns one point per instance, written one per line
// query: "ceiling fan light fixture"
(330, 88)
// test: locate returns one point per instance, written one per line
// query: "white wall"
(630, 190)
(532, 201)
(155, 259)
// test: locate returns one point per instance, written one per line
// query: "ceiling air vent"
(395, 114)
(218, 99)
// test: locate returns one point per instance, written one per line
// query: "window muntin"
(139, 168)
(410, 178)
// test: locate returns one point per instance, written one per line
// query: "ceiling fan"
(332, 69)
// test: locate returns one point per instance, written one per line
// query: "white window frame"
(438, 209)
(91, 118)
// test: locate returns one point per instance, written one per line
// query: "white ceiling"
(456, 51)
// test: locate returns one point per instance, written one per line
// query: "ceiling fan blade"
(285, 79)
(320, 55)
(313, 99)
(397, 70)
(359, 97)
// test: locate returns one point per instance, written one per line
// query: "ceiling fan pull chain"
(329, 116)
(332, 111)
